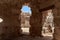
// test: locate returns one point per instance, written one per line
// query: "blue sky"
(26, 9)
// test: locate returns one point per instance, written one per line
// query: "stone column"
(10, 27)
(56, 12)
(36, 22)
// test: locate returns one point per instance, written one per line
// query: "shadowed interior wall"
(56, 12)
(36, 22)
(9, 12)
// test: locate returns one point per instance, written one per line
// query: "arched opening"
(25, 17)
(48, 23)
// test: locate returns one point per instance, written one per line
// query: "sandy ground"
(26, 30)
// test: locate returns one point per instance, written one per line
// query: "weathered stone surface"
(9, 12)
(56, 12)
(36, 23)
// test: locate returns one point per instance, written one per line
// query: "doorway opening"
(25, 17)
(48, 24)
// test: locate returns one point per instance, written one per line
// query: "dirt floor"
(33, 38)
(47, 36)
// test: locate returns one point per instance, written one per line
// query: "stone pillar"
(56, 12)
(36, 22)
(10, 27)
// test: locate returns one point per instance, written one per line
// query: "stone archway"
(25, 18)
(35, 20)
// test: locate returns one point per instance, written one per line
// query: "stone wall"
(36, 22)
(56, 12)
(9, 12)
